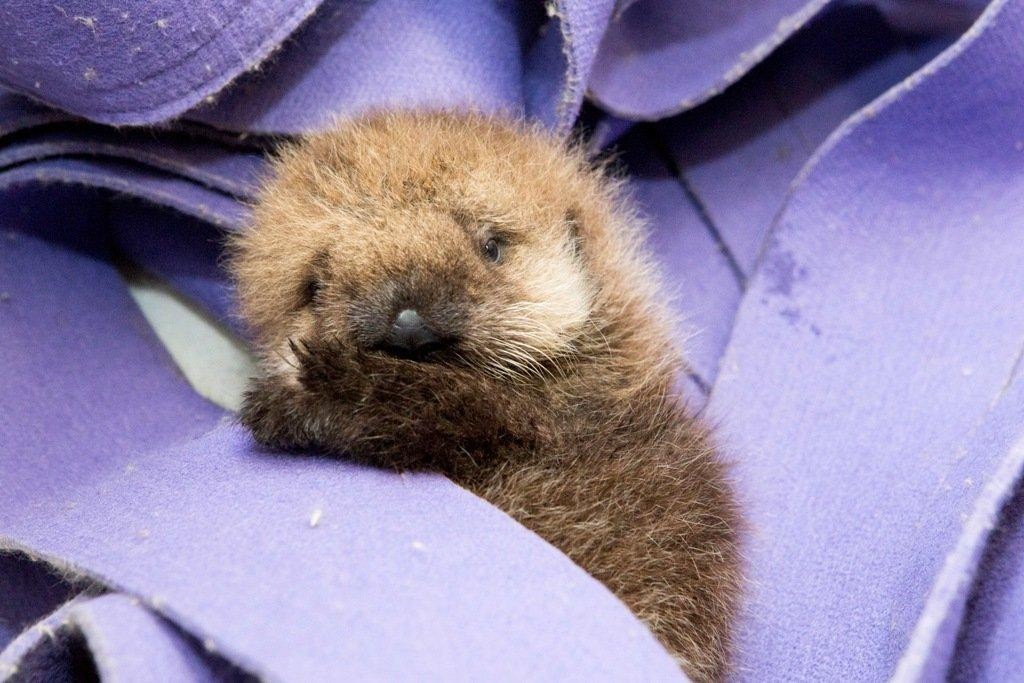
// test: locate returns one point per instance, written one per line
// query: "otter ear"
(317, 273)
(573, 222)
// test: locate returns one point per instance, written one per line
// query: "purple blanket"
(836, 196)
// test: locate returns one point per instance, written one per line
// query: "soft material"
(869, 359)
(103, 634)
(411, 52)
(661, 57)
(137, 62)
(848, 270)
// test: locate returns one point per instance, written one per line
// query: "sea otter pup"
(468, 295)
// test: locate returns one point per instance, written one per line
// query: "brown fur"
(555, 402)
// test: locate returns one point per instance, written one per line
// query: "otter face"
(404, 271)
(436, 280)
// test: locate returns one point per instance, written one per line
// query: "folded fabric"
(137, 62)
(410, 53)
(659, 58)
(230, 171)
(741, 151)
(115, 637)
(987, 647)
(883, 324)
(852, 287)
(144, 62)
(713, 180)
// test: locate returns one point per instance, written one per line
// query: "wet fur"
(556, 404)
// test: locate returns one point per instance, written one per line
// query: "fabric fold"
(137, 62)
(659, 58)
(116, 637)
(850, 266)
(856, 372)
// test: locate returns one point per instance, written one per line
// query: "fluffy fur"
(554, 397)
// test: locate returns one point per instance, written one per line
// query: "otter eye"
(492, 250)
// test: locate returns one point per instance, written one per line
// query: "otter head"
(422, 272)
(407, 274)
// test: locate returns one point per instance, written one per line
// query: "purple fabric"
(933, 645)
(925, 16)
(989, 647)
(122, 640)
(411, 52)
(132, 179)
(501, 56)
(19, 113)
(741, 152)
(698, 277)
(560, 63)
(43, 651)
(30, 590)
(137, 62)
(150, 62)
(114, 625)
(886, 317)
(185, 253)
(860, 351)
(230, 171)
(661, 57)
(735, 158)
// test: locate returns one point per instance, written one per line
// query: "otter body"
(466, 295)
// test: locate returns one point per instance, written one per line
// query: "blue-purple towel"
(836, 196)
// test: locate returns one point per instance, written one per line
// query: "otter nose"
(411, 335)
